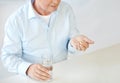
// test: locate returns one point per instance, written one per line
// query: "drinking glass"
(47, 61)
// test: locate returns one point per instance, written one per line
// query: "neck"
(39, 10)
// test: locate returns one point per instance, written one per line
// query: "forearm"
(14, 63)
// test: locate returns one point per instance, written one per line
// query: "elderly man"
(40, 27)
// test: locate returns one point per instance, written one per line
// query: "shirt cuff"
(23, 68)
(71, 48)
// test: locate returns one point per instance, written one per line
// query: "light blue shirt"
(28, 37)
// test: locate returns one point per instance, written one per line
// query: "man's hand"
(81, 42)
(38, 72)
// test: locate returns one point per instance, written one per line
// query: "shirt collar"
(31, 11)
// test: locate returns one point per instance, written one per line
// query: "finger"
(88, 40)
(42, 68)
(42, 73)
(40, 77)
(78, 46)
(84, 43)
(82, 48)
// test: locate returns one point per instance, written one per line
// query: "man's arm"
(77, 41)
(12, 49)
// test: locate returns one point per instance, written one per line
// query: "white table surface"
(102, 66)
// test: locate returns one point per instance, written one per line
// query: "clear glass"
(47, 61)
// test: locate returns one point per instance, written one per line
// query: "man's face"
(49, 5)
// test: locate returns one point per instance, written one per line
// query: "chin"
(52, 10)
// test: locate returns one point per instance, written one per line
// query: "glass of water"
(47, 61)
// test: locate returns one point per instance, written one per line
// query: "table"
(101, 66)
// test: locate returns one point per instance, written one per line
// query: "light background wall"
(97, 19)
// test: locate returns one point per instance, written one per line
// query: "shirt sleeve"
(12, 48)
(73, 29)
(71, 49)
